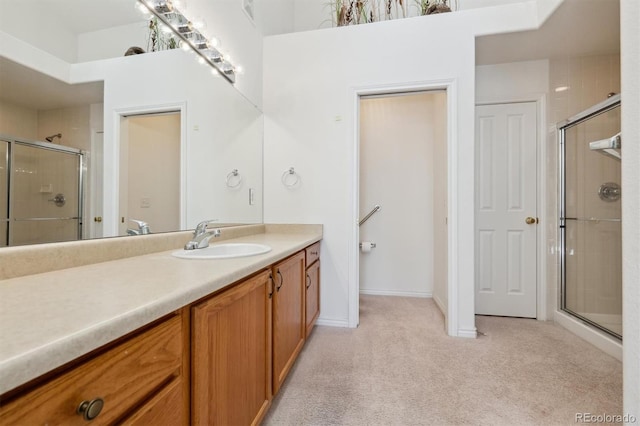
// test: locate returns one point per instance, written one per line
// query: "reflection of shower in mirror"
(52, 137)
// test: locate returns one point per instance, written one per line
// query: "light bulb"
(184, 45)
(239, 69)
(201, 60)
(214, 42)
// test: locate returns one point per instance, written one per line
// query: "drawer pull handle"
(308, 281)
(273, 284)
(89, 410)
(281, 280)
(315, 253)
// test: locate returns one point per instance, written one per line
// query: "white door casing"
(506, 181)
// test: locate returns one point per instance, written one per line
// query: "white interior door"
(505, 207)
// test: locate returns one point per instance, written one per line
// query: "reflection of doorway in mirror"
(150, 172)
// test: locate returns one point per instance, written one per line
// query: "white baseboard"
(598, 339)
(468, 333)
(425, 294)
(440, 305)
(332, 322)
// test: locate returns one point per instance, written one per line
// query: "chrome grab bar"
(591, 219)
(364, 219)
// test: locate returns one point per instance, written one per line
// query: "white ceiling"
(577, 28)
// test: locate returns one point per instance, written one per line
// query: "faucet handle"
(143, 226)
(202, 226)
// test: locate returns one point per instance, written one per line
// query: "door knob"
(531, 220)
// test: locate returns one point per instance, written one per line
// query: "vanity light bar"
(167, 13)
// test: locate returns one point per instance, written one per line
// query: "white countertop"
(49, 319)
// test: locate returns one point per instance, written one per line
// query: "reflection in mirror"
(171, 179)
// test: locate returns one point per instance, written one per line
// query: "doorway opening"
(403, 195)
(150, 173)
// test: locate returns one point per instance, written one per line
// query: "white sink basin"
(223, 251)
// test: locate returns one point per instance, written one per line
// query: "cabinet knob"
(89, 410)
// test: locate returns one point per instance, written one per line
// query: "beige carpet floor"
(400, 368)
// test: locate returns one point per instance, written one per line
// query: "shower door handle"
(531, 220)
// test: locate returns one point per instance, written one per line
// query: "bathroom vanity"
(154, 339)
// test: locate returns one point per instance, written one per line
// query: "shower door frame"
(598, 109)
(50, 147)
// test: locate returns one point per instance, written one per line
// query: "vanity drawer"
(312, 253)
(123, 377)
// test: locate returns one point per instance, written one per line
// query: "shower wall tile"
(589, 79)
(18, 121)
(72, 122)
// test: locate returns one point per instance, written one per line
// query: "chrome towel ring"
(290, 178)
(234, 179)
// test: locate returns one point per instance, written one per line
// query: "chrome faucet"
(201, 236)
(143, 228)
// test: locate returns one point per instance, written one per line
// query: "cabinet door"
(312, 295)
(231, 355)
(289, 327)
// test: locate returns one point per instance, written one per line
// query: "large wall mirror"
(92, 141)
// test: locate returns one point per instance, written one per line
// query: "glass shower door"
(592, 264)
(4, 193)
(46, 195)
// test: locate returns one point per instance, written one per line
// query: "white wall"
(309, 84)
(630, 53)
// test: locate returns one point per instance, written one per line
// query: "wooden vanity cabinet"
(312, 284)
(231, 355)
(215, 362)
(289, 327)
(135, 380)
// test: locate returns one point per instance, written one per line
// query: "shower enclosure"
(40, 192)
(590, 216)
